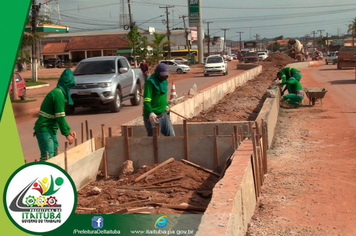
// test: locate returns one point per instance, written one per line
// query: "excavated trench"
(177, 187)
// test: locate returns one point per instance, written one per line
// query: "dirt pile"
(152, 195)
(246, 101)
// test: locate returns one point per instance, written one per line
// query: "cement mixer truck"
(295, 50)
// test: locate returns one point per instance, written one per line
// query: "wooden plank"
(180, 207)
(82, 131)
(186, 144)
(65, 157)
(233, 141)
(87, 129)
(85, 208)
(167, 180)
(57, 151)
(110, 132)
(254, 162)
(200, 167)
(155, 145)
(126, 143)
(154, 169)
(264, 146)
(103, 141)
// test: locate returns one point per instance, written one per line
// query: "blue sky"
(267, 18)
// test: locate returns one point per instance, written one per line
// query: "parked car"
(105, 81)
(55, 63)
(181, 60)
(234, 56)
(175, 66)
(331, 58)
(262, 55)
(251, 57)
(215, 65)
(21, 87)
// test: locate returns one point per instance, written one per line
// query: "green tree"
(138, 43)
(157, 46)
(352, 30)
(274, 47)
(279, 38)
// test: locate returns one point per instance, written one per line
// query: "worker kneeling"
(155, 105)
(296, 94)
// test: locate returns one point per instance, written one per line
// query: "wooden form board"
(196, 128)
(74, 154)
(85, 170)
(201, 151)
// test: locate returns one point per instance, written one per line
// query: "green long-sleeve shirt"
(294, 85)
(287, 72)
(154, 96)
(52, 113)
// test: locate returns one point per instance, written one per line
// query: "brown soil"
(246, 101)
(194, 188)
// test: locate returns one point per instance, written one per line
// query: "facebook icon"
(97, 222)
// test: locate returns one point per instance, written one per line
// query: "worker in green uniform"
(296, 94)
(288, 72)
(155, 105)
(52, 116)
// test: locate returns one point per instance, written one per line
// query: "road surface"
(96, 117)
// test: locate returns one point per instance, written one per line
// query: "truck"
(105, 81)
(346, 57)
(295, 50)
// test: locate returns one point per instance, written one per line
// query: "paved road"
(96, 117)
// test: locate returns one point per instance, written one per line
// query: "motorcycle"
(316, 57)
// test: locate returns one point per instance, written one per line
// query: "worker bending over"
(52, 116)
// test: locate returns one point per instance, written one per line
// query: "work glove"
(167, 110)
(153, 118)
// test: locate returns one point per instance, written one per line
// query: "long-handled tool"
(172, 111)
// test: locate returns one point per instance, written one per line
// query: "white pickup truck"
(105, 81)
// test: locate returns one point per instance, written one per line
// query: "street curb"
(37, 86)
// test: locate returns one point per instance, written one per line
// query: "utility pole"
(327, 42)
(208, 22)
(257, 47)
(313, 32)
(168, 31)
(321, 37)
(34, 13)
(186, 32)
(130, 18)
(224, 40)
(240, 38)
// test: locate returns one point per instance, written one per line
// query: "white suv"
(331, 58)
(215, 65)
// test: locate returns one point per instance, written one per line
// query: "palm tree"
(352, 30)
(157, 46)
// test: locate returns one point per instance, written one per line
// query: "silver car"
(175, 66)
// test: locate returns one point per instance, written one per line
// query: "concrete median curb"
(37, 86)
